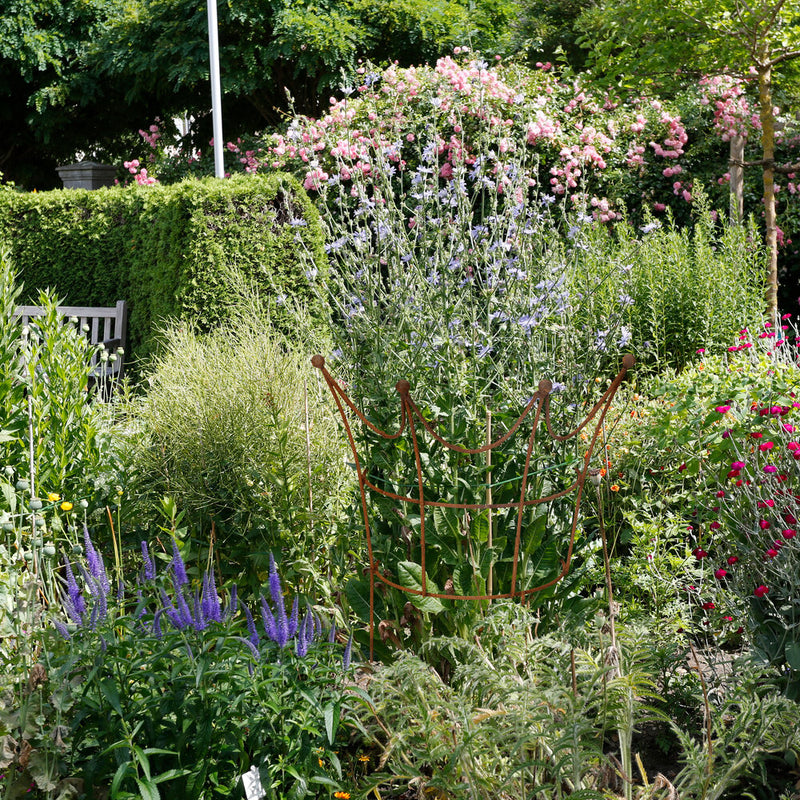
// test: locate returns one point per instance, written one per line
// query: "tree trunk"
(737, 180)
(768, 153)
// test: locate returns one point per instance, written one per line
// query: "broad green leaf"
(410, 577)
(462, 578)
(357, 593)
(447, 522)
(479, 528)
(792, 651)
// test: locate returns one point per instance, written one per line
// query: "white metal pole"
(216, 93)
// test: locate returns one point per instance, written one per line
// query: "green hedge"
(168, 250)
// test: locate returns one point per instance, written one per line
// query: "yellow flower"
(342, 795)
(66, 506)
(53, 497)
(363, 759)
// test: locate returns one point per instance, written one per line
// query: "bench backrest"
(105, 325)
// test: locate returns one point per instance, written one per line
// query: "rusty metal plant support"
(408, 412)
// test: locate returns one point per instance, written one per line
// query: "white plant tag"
(252, 784)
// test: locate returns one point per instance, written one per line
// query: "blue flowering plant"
(458, 280)
(181, 684)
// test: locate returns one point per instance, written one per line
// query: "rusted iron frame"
(409, 410)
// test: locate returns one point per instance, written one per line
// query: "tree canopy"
(85, 76)
(634, 42)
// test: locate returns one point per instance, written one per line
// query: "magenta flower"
(764, 446)
(763, 524)
(737, 465)
(732, 560)
(770, 469)
(788, 533)
(720, 573)
(708, 606)
(761, 590)
(722, 409)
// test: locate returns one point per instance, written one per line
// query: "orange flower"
(614, 487)
(342, 795)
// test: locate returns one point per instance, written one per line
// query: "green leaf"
(10, 496)
(357, 593)
(479, 527)
(119, 776)
(148, 790)
(331, 714)
(792, 651)
(409, 576)
(111, 694)
(447, 522)
(462, 578)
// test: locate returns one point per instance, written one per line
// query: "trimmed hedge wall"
(167, 249)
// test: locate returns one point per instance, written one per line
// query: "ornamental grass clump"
(173, 682)
(235, 428)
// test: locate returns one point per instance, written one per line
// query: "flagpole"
(216, 93)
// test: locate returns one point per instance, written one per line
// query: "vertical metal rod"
(216, 93)
(490, 582)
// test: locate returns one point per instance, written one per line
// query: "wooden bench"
(106, 326)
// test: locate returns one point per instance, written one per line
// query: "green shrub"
(223, 431)
(52, 434)
(172, 684)
(166, 249)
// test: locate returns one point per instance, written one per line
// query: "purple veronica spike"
(301, 644)
(180, 578)
(281, 627)
(348, 650)
(251, 626)
(183, 609)
(253, 649)
(157, 624)
(317, 627)
(62, 629)
(269, 620)
(332, 633)
(102, 605)
(76, 607)
(233, 603)
(140, 604)
(275, 582)
(211, 607)
(95, 562)
(93, 617)
(198, 620)
(149, 566)
(91, 583)
(172, 615)
(205, 602)
(292, 629)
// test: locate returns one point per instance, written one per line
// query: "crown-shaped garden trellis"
(408, 413)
